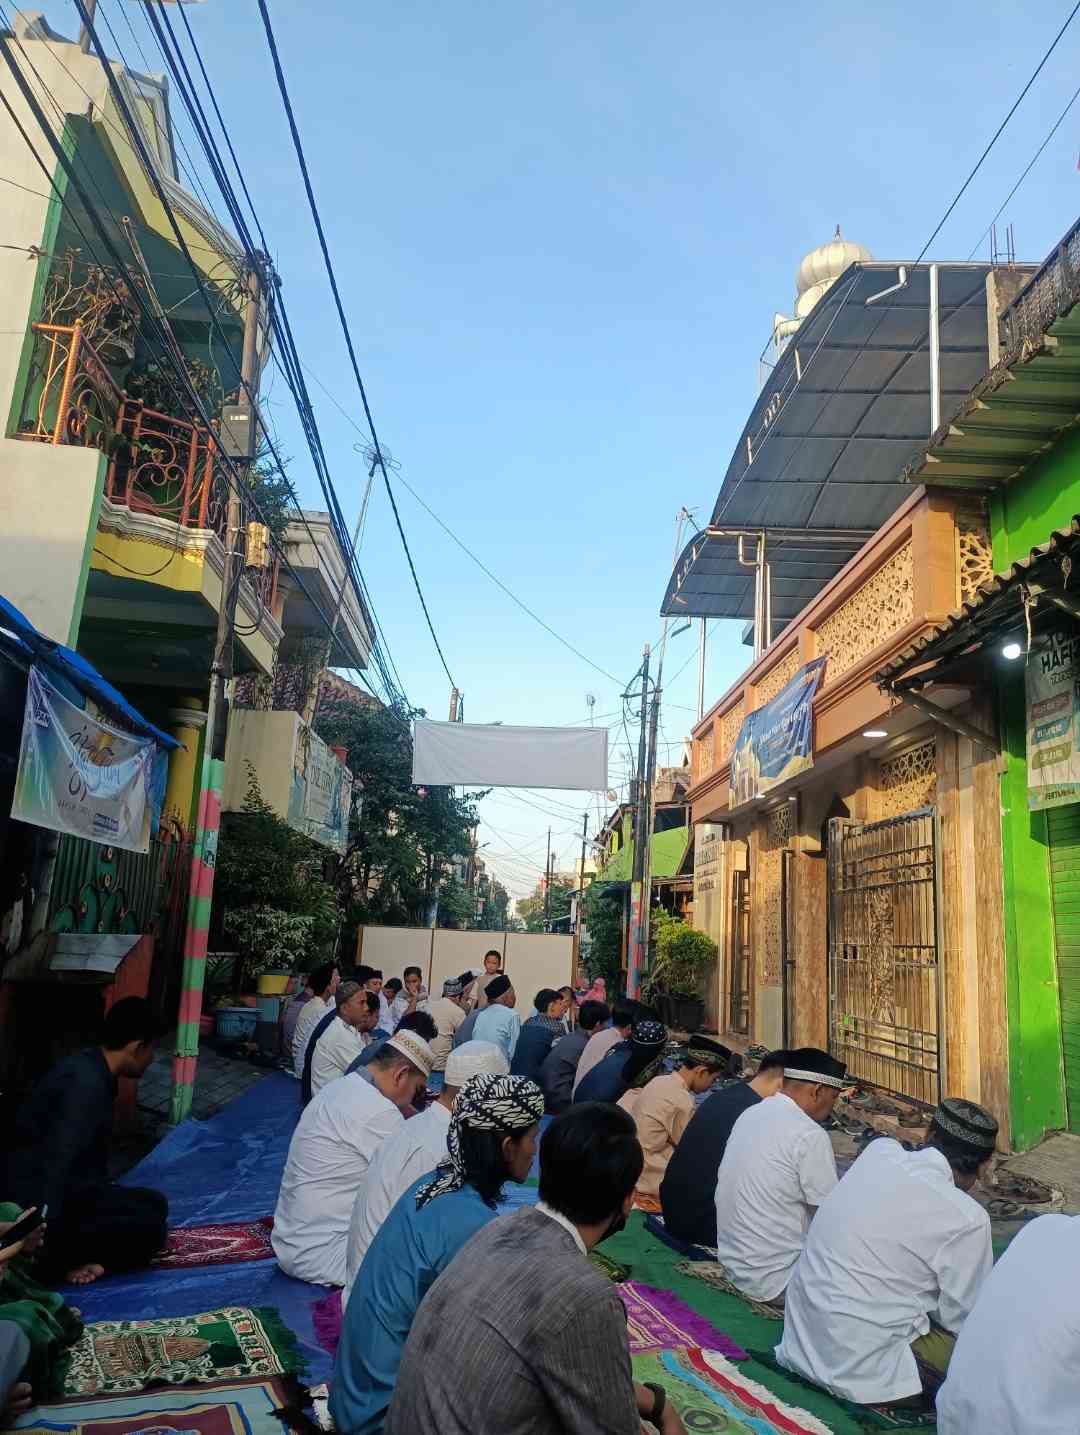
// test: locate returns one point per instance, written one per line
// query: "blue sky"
(561, 232)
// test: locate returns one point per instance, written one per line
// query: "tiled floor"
(218, 1079)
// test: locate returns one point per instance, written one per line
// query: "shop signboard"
(1053, 720)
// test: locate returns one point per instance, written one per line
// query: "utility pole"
(84, 33)
(455, 698)
(547, 884)
(635, 959)
(701, 673)
(204, 855)
(581, 896)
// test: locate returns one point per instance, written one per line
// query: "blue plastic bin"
(235, 1023)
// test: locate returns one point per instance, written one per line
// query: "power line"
(298, 146)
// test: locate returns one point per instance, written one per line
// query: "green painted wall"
(1036, 1077)
(668, 851)
(1025, 512)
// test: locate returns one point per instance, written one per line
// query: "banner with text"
(80, 775)
(1053, 720)
(776, 741)
(321, 794)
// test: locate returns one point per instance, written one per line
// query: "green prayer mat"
(894, 1418)
(607, 1267)
(710, 1393)
(714, 1274)
(655, 1264)
(234, 1343)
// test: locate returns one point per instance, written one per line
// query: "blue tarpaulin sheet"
(227, 1169)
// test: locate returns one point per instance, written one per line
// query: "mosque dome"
(821, 268)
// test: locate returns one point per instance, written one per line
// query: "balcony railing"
(158, 464)
(70, 396)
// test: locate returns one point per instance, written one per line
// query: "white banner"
(78, 774)
(461, 754)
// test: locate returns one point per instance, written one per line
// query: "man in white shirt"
(339, 1039)
(448, 1013)
(1016, 1366)
(332, 1147)
(777, 1169)
(371, 978)
(324, 982)
(893, 1265)
(414, 1150)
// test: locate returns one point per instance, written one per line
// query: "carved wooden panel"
(881, 607)
(730, 724)
(974, 555)
(908, 780)
(775, 834)
(704, 759)
(777, 677)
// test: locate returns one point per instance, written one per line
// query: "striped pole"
(203, 866)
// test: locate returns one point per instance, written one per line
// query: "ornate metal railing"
(70, 397)
(165, 466)
(1050, 292)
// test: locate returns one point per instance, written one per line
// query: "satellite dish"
(612, 795)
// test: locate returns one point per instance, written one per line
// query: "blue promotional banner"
(80, 775)
(776, 741)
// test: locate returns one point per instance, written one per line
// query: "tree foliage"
(531, 909)
(402, 838)
(682, 955)
(603, 910)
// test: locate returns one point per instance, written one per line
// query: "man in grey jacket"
(520, 1335)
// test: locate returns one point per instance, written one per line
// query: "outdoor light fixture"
(1012, 651)
(875, 732)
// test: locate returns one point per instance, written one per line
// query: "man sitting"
(410, 995)
(59, 1156)
(1016, 1366)
(333, 1145)
(629, 1065)
(498, 1022)
(893, 1265)
(417, 1021)
(418, 1147)
(777, 1169)
(371, 979)
(491, 1139)
(539, 1034)
(520, 1335)
(666, 1105)
(323, 981)
(606, 1037)
(688, 1190)
(559, 1070)
(339, 1038)
(448, 1013)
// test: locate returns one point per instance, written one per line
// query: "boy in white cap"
(413, 1151)
(333, 1145)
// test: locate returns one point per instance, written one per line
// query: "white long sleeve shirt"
(339, 1046)
(333, 1145)
(310, 1017)
(777, 1166)
(896, 1245)
(402, 1159)
(1016, 1366)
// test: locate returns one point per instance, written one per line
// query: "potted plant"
(272, 944)
(682, 955)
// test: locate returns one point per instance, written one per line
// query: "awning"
(820, 463)
(21, 640)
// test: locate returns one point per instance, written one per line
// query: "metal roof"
(822, 456)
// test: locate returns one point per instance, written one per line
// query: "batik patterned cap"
(507, 1104)
(452, 987)
(966, 1122)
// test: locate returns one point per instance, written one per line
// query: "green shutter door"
(1063, 836)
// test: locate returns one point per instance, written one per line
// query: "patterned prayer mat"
(881, 1418)
(654, 1223)
(216, 1245)
(712, 1394)
(607, 1267)
(230, 1344)
(242, 1407)
(658, 1318)
(714, 1274)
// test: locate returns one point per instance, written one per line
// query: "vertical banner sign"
(321, 793)
(1053, 720)
(635, 957)
(78, 774)
(776, 741)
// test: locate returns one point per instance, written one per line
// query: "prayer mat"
(233, 1343)
(658, 1318)
(607, 1267)
(241, 1407)
(654, 1224)
(712, 1394)
(714, 1274)
(891, 1417)
(326, 1318)
(216, 1245)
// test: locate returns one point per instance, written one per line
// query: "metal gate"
(739, 956)
(885, 988)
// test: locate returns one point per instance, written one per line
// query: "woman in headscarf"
(628, 1066)
(492, 1139)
